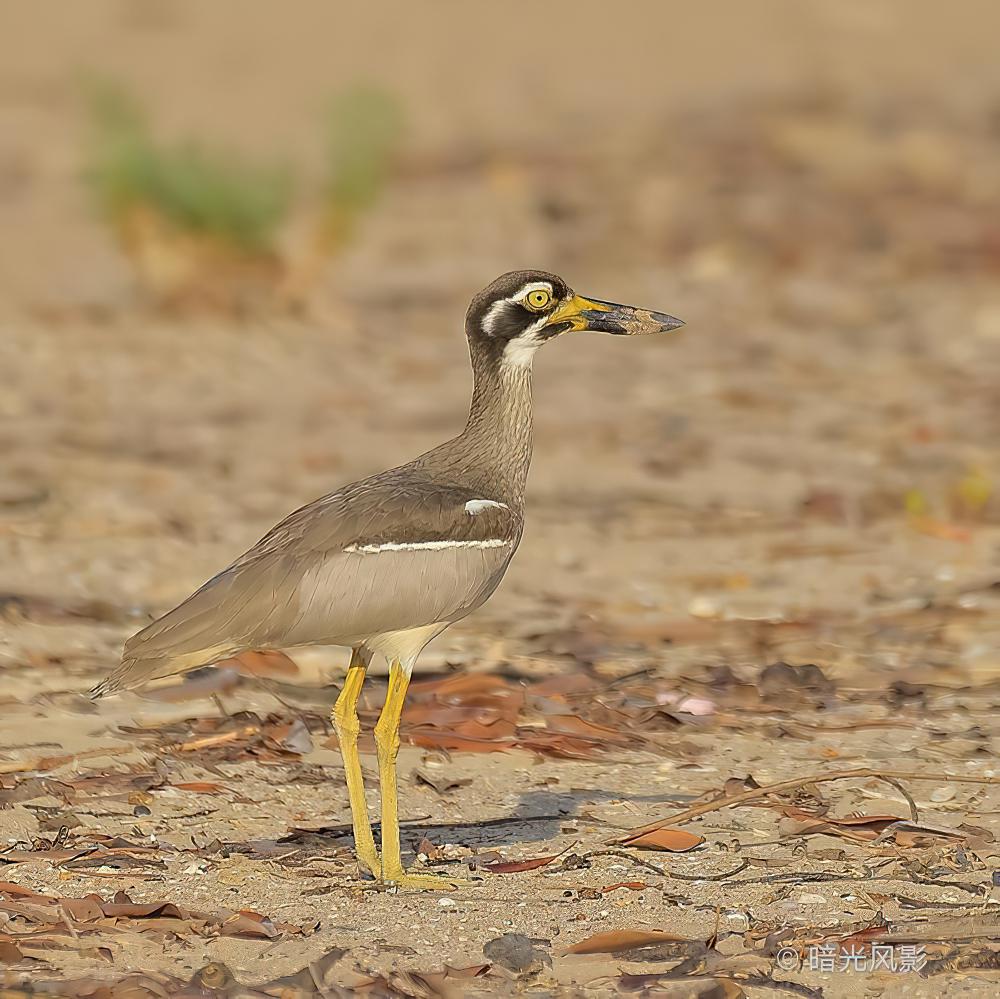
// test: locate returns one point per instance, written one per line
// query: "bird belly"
(359, 596)
(404, 646)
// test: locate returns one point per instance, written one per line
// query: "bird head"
(521, 310)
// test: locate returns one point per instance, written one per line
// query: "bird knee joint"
(387, 738)
(346, 722)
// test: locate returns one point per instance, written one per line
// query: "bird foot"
(421, 882)
(369, 861)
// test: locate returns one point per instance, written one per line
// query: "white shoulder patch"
(478, 506)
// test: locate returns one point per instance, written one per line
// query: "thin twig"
(68, 922)
(789, 785)
(208, 741)
(663, 872)
(914, 814)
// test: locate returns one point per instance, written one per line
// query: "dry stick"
(789, 785)
(233, 735)
(665, 872)
(69, 925)
(54, 762)
(914, 814)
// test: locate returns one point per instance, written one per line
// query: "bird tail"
(134, 671)
(130, 673)
(230, 606)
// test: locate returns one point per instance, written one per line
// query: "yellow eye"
(537, 300)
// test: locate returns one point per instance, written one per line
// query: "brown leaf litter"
(35, 920)
(216, 981)
(753, 793)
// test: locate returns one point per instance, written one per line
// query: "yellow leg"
(345, 720)
(387, 743)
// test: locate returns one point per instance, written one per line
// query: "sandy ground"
(806, 475)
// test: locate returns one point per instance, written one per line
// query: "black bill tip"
(625, 320)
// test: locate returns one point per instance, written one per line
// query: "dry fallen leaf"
(617, 941)
(92, 914)
(427, 850)
(442, 782)
(860, 828)
(517, 866)
(265, 663)
(10, 953)
(671, 840)
(201, 787)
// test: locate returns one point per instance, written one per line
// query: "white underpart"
(477, 506)
(423, 546)
(405, 646)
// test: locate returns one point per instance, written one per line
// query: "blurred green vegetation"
(200, 225)
(364, 129)
(192, 187)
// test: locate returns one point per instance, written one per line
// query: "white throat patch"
(520, 351)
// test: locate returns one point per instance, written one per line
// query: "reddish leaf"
(671, 840)
(84, 910)
(428, 738)
(630, 885)
(865, 820)
(941, 529)
(616, 941)
(133, 910)
(248, 923)
(266, 663)
(18, 891)
(445, 716)
(565, 747)
(855, 827)
(429, 850)
(517, 866)
(500, 728)
(201, 787)
(10, 953)
(572, 725)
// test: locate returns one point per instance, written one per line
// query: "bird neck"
(496, 442)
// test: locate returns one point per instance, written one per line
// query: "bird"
(385, 564)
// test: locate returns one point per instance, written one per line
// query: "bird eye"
(537, 300)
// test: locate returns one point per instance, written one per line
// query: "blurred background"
(238, 247)
(237, 243)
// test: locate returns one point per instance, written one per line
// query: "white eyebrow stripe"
(527, 289)
(423, 546)
(489, 320)
(478, 505)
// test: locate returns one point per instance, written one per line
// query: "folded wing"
(386, 554)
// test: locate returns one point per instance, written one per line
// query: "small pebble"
(704, 607)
